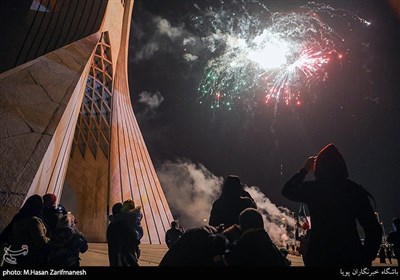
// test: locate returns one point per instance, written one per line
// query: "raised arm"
(294, 189)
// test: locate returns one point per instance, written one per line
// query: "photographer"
(52, 213)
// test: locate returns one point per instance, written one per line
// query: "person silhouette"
(122, 239)
(173, 234)
(335, 204)
(394, 238)
(28, 229)
(233, 200)
(52, 213)
(254, 247)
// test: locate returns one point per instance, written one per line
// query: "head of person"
(396, 224)
(49, 200)
(232, 187)
(204, 243)
(329, 164)
(128, 205)
(250, 218)
(174, 224)
(217, 245)
(33, 206)
(116, 209)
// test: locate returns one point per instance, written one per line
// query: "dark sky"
(356, 107)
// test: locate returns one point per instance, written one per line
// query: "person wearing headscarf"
(233, 200)
(27, 229)
(335, 204)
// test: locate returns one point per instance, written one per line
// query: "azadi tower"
(66, 119)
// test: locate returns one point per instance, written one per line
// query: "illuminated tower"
(66, 116)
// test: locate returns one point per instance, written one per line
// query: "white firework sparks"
(274, 57)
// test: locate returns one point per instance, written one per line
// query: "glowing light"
(280, 57)
(270, 54)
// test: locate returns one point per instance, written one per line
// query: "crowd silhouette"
(236, 233)
(48, 233)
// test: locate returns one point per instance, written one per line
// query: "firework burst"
(270, 56)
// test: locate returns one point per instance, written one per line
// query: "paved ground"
(97, 255)
(151, 255)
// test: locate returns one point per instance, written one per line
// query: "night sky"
(353, 102)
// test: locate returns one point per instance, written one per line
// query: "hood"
(232, 187)
(330, 164)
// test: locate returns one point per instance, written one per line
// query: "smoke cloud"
(152, 99)
(190, 57)
(162, 35)
(147, 51)
(191, 189)
(191, 41)
(164, 27)
(167, 38)
(276, 219)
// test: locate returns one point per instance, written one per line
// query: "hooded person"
(335, 204)
(233, 200)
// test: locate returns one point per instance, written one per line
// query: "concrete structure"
(66, 118)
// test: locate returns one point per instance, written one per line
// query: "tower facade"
(67, 120)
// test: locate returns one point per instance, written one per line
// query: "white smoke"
(152, 99)
(190, 57)
(212, 40)
(276, 219)
(162, 30)
(147, 51)
(191, 41)
(164, 27)
(168, 38)
(191, 190)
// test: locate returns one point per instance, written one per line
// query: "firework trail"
(258, 55)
